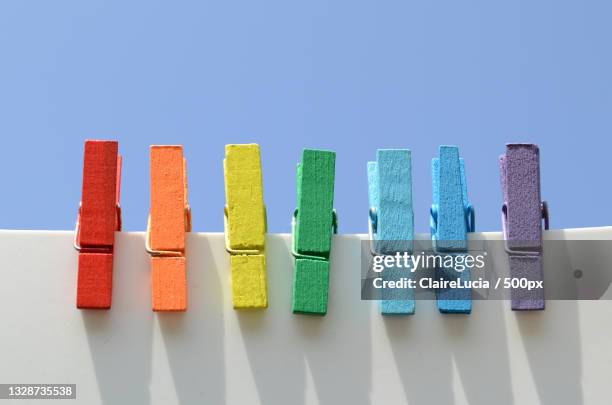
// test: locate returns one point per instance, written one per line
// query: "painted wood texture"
(390, 195)
(520, 181)
(94, 281)
(168, 284)
(249, 281)
(245, 225)
(315, 199)
(168, 222)
(310, 286)
(168, 198)
(450, 202)
(395, 218)
(98, 197)
(98, 220)
(313, 231)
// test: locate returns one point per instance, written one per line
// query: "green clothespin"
(314, 220)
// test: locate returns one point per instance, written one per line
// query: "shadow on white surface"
(120, 339)
(297, 359)
(194, 340)
(552, 339)
(214, 354)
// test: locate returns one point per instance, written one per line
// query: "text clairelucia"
(430, 283)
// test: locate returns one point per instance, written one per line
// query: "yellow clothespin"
(245, 225)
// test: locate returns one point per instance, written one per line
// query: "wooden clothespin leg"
(313, 223)
(245, 226)
(522, 216)
(169, 219)
(452, 217)
(98, 219)
(391, 222)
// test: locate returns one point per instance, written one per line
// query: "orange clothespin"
(98, 218)
(169, 219)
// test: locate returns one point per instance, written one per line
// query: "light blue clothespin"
(452, 217)
(391, 221)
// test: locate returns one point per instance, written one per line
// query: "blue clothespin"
(391, 221)
(451, 218)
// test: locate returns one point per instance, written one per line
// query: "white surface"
(214, 355)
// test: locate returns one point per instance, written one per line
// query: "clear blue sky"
(350, 76)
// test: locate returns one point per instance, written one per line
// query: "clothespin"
(314, 220)
(169, 219)
(245, 225)
(98, 218)
(522, 215)
(451, 218)
(391, 222)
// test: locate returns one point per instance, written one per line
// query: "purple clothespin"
(522, 215)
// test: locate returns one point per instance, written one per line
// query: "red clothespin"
(98, 219)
